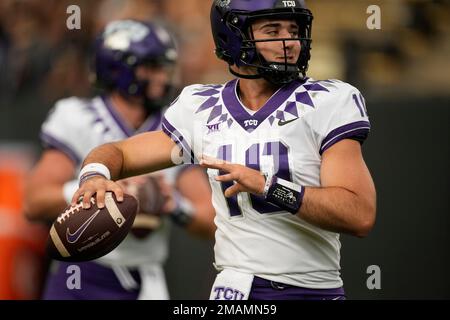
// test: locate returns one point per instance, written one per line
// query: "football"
(85, 234)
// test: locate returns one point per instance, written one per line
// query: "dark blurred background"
(403, 71)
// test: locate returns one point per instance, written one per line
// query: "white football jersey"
(75, 126)
(287, 136)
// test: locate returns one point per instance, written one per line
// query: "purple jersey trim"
(356, 131)
(178, 138)
(151, 124)
(117, 119)
(358, 104)
(155, 122)
(234, 105)
(50, 142)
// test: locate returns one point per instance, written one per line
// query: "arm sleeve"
(57, 131)
(342, 116)
(178, 124)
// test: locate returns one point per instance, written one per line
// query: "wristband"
(285, 194)
(184, 212)
(93, 169)
(89, 175)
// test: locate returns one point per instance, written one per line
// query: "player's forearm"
(111, 156)
(44, 204)
(202, 225)
(338, 210)
(140, 154)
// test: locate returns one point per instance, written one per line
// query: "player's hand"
(245, 179)
(152, 191)
(97, 185)
(167, 192)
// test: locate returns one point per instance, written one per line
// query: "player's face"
(274, 51)
(158, 77)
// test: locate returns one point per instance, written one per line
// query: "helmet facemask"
(278, 73)
(155, 103)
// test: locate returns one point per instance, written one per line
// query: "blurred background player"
(135, 65)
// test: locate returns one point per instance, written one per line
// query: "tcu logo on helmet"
(289, 3)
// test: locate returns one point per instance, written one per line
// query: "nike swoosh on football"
(74, 237)
(283, 123)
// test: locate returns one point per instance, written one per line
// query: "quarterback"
(283, 153)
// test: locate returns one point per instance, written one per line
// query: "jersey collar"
(152, 123)
(246, 120)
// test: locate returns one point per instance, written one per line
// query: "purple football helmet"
(231, 21)
(124, 45)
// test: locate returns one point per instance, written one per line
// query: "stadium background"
(402, 69)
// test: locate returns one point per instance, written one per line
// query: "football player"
(134, 64)
(283, 153)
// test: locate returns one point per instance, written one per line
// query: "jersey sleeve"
(343, 115)
(178, 123)
(59, 132)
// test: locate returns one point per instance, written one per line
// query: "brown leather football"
(85, 234)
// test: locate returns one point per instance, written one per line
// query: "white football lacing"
(72, 210)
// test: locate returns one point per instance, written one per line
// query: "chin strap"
(244, 76)
(271, 74)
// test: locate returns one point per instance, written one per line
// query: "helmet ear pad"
(228, 37)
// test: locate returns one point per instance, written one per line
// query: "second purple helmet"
(125, 44)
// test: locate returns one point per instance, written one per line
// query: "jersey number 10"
(279, 153)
